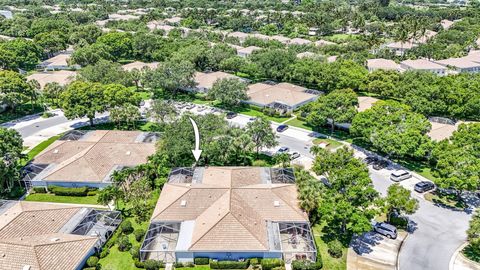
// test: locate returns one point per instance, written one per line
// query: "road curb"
(455, 254)
(397, 266)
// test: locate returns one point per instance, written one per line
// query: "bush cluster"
(269, 264)
(335, 248)
(153, 264)
(68, 191)
(92, 261)
(201, 261)
(306, 265)
(104, 253)
(39, 189)
(229, 264)
(139, 233)
(123, 243)
(126, 227)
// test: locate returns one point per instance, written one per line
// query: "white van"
(400, 175)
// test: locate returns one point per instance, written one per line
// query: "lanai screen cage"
(30, 171)
(282, 176)
(182, 175)
(279, 107)
(73, 135)
(98, 223)
(297, 241)
(160, 242)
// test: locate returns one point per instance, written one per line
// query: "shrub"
(92, 193)
(259, 163)
(268, 264)
(68, 191)
(153, 265)
(188, 265)
(138, 263)
(92, 261)
(398, 221)
(39, 190)
(255, 261)
(135, 252)
(178, 265)
(335, 248)
(139, 234)
(123, 243)
(229, 265)
(126, 227)
(201, 261)
(104, 253)
(306, 265)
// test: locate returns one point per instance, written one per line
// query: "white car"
(400, 175)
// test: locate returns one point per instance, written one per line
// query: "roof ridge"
(70, 160)
(288, 204)
(246, 228)
(211, 228)
(85, 238)
(168, 206)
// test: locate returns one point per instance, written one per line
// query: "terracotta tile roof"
(94, 158)
(62, 77)
(230, 207)
(285, 93)
(206, 80)
(365, 103)
(29, 236)
(381, 63)
(139, 65)
(422, 64)
(462, 62)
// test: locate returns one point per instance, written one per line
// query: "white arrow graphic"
(196, 152)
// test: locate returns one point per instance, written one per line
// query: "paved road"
(438, 231)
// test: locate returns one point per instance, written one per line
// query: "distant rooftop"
(381, 63)
(422, 64)
(139, 65)
(62, 77)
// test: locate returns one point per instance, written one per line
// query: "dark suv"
(424, 186)
(231, 115)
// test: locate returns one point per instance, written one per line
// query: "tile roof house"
(58, 62)
(139, 66)
(460, 65)
(240, 35)
(88, 158)
(306, 55)
(365, 103)
(284, 96)
(62, 77)
(446, 24)
(321, 43)
(400, 48)
(279, 38)
(247, 51)
(299, 41)
(423, 65)
(380, 63)
(228, 213)
(205, 81)
(51, 236)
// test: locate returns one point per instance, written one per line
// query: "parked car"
(231, 115)
(252, 118)
(385, 229)
(400, 175)
(283, 149)
(380, 164)
(294, 155)
(190, 106)
(424, 186)
(370, 160)
(282, 128)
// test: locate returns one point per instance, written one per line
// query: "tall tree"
(339, 106)
(399, 201)
(392, 128)
(229, 91)
(261, 133)
(14, 89)
(162, 110)
(11, 147)
(171, 77)
(83, 99)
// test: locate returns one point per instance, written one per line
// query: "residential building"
(6, 13)
(460, 65)
(204, 81)
(228, 213)
(332, 58)
(62, 77)
(365, 103)
(400, 48)
(89, 158)
(247, 51)
(299, 41)
(260, 36)
(57, 62)
(282, 39)
(423, 65)
(139, 66)
(321, 43)
(380, 63)
(284, 97)
(443, 128)
(240, 35)
(51, 236)
(6, 38)
(306, 55)
(446, 24)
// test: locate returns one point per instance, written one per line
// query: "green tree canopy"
(229, 91)
(14, 89)
(83, 99)
(11, 147)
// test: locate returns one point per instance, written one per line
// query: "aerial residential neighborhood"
(260, 135)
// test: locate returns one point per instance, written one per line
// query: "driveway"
(374, 251)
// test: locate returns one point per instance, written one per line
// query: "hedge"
(229, 264)
(268, 264)
(39, 189)
(306, 265)
(201, 261)
(66, 191)
(153, 264)
(92, 261)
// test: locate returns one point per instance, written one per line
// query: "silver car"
(400, 175)
(386, 229)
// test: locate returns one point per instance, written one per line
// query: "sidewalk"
(460, 262)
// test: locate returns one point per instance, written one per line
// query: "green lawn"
(329, 262)
(40, 147)
(332, 144)
(197, 267)
(251, 112)
(46, 197)
(419, 167)
(299, 123)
